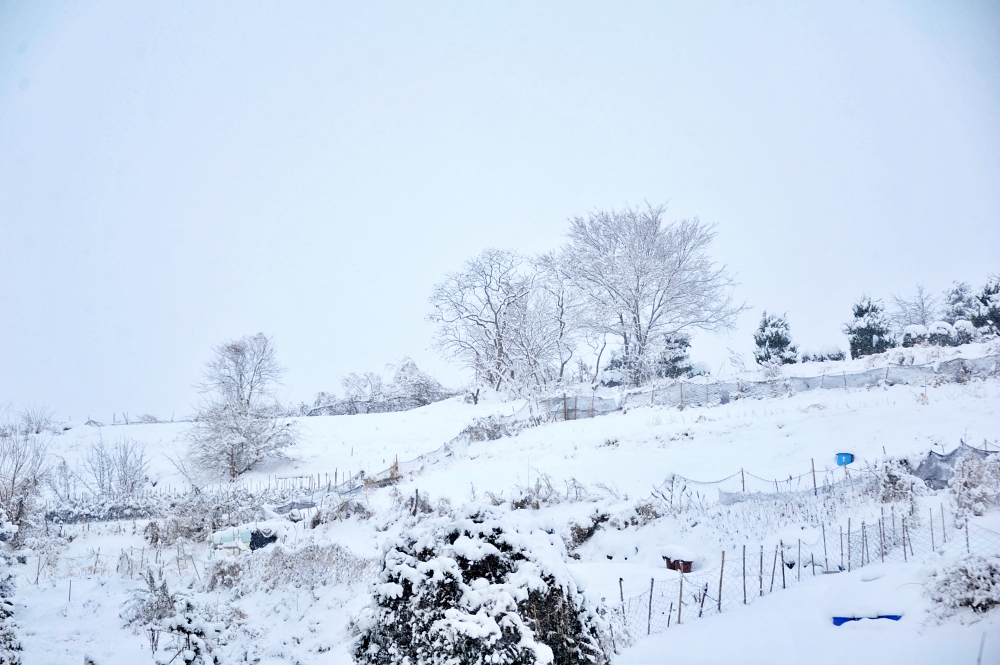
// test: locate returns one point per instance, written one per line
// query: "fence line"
(752, 572)
(684, 393)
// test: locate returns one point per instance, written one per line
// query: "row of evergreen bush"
(964, 317)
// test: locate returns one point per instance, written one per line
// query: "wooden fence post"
(815, 491)
(744, 574)
(649, 617)
(760, 578)
(722, 567)
(680, 599)
(774, 565)
(782, 563)
(826, 565)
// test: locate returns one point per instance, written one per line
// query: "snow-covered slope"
(572, 470)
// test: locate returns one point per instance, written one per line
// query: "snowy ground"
(613, 462)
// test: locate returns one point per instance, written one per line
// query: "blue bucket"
(843, 459)
(840, 621)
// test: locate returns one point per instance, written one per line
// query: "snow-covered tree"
(987, 314)
(773, 340)
(414, 386)
(364, 393)
(672, 359)
(241, 423)
(10, 645)
(477, 589)
(642, 279)
(959, 303)
(506, 319)
(477, 311)
(24, 468)
(869, 331)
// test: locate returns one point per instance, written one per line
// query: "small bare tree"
(100, 467)
(118, 470)
(644, 280)
(241, 423)
(919, 310)
(131, 466)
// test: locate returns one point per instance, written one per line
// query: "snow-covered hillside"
(603, 485)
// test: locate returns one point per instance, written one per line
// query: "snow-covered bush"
(149, 604)
(894, 482)
(987, 314)
(827, 353)
(972, 584)
(308, 567)
(940, 333)
(869, 331)
(976, 483)
(965, 332)
(914, 335)
(774, 341)
(478, 590)
(190, 636)
(10, 645)
(159, 611)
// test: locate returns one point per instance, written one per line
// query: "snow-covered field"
(607, 465)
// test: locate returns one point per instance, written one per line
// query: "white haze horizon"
(173, 177)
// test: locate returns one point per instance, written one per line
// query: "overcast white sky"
(173, 175)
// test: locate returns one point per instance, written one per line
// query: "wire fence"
(703, 392)
(745, 574)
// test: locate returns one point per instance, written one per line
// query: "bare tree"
(112, 471)
(919, 310)
(478, 312)
(241, 423)
(35, 418)
(100, 467)
(560, 308)
(130, 466)
(644, 280)
(23, 471)
(364, 392)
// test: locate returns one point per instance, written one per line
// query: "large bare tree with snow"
(241, 422)
(498, 316)
(645, 280)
